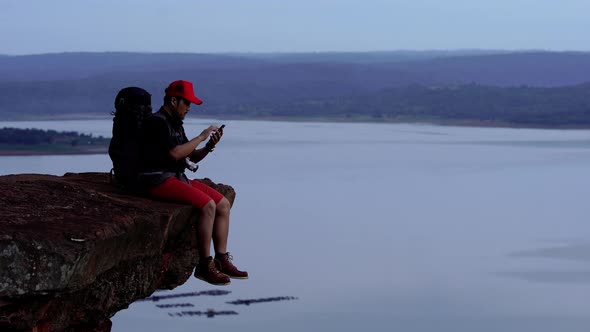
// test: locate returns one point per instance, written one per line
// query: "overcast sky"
(42, 26)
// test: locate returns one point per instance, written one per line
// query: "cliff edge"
(74, 250)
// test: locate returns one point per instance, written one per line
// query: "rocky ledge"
(74, 250)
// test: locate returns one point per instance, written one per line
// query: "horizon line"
(456, 50)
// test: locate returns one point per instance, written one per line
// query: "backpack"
(132, 106)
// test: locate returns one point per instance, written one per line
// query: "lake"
(384, 227)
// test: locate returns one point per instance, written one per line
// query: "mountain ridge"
(260, 86)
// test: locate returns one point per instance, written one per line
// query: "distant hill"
(561, 107)
(71, 66)
(485, 67)
(239, 85)
(365, 57)
(66, 66)
(514, 69)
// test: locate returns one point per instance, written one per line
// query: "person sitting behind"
(163, 151)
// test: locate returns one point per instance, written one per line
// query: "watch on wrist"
(210, 146)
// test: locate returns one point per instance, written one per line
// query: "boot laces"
(225, 257)
(213, 268)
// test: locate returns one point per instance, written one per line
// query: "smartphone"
(222, 126)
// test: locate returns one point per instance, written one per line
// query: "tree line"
(519, 106)
(31, 136)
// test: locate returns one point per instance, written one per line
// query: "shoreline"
(61, 117)
(462, 123)
(33, 152)
(44, 150)
(24, 153)
(439, 122)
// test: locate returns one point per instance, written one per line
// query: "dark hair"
(168, 100)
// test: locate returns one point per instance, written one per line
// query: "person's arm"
(199, 154)
(184, 150)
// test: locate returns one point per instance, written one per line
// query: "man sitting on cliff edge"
(163, 151)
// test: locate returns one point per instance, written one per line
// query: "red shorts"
(195, 194)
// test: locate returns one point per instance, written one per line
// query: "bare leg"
(205, 229)
(220, 234)
(206, 269)
(221, 226)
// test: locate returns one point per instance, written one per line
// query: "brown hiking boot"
(208, 272)
(224, 264)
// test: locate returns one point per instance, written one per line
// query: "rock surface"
(74, 250)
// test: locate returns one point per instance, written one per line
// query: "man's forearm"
(184, 150)
(198, 154)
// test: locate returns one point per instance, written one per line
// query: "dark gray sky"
(41, 26)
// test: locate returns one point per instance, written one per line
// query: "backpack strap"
(163, 117)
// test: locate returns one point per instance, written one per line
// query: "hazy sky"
(41, 26)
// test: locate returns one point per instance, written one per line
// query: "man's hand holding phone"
(214, 139)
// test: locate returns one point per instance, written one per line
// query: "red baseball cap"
(183, 89)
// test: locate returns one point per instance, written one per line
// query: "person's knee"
(223, 206)
(209, 208)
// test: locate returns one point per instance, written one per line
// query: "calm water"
(386, 227)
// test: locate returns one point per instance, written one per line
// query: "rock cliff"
(74, 251)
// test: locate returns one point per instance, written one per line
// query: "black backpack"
(132, 106)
